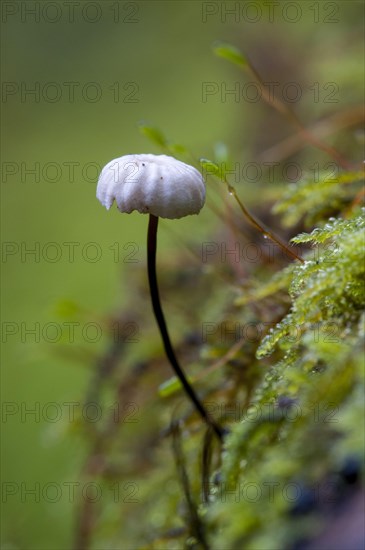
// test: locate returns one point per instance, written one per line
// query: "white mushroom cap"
(152, 184)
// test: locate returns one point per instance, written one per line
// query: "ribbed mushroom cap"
(151, 184)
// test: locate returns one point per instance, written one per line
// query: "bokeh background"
(97, 69)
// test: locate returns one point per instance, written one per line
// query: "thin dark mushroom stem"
(157, 309)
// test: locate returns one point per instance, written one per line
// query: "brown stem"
(285, 110)
(260, 226)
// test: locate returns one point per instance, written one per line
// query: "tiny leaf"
(210, 167)
(171, 386)
(231, 53)
(153, 134)
(178, 149)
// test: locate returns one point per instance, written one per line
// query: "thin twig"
(260, 226)
(285, 110)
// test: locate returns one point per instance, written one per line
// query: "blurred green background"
(145, 61)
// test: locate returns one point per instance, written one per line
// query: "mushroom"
(163, 187)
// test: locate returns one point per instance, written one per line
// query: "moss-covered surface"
(275, 348)
(282, 367)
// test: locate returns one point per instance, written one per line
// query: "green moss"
(310, 402)
(316, 198)
(328, 293)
